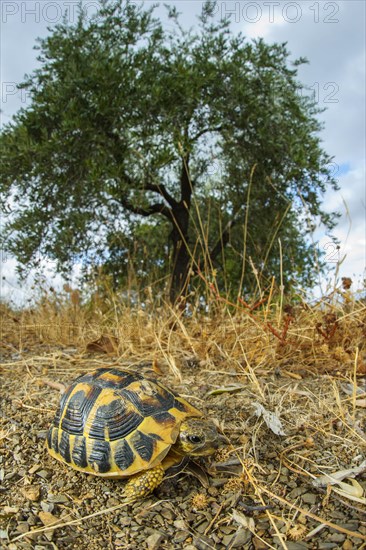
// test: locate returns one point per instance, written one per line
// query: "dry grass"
(304, 363)
(327, 337)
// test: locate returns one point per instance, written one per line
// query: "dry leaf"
(293, 375)
(104, 344)
(335, 477)
(270, 418)
(353, 491)
(227, 389)
(244, 521)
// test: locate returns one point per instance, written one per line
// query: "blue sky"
(331, 35)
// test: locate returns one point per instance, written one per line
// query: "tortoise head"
(197, 437)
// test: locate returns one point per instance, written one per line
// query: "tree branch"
(162, 190)
(185, 183)
(157, 208)
(206, 130)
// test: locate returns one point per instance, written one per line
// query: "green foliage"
(199, 129)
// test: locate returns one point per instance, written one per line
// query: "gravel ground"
(322, 432)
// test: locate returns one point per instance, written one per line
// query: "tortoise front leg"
(142, 484)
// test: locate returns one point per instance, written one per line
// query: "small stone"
(295, 493)
(180, 536)
(47, 507)
(22, 527)
(309, 498)
(167, 514)
(47, 518)
(180, 524)
(9, 510)
(44, 474)
(242, 538)
(227, 530)
(227, 540)
(154, 540)
(10, 475)
(347, 545)
(31, 492)
(202, 543)
(57, 499)
(201, 528)
(337, 537)
(49, 535)
(259, 545)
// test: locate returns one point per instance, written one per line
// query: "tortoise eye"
(195, 439)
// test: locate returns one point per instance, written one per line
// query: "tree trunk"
(181, 255)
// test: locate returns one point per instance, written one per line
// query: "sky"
(331, 35)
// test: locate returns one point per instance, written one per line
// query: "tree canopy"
(199, 142)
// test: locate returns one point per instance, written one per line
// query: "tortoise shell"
(115, 423)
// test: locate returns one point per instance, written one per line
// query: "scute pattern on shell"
(115, 423)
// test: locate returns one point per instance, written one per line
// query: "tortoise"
(118, 423)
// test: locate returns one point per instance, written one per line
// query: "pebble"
(167, 514)
(57, 499)
(154, 540)
(242, 538)
(180, 536)
(259, 545)
(47, 518)
(202, 527)
(291, 545)
(336, 537)
(180, 524)
(23, 527)
(335, 514)
(47, 506)
(227, 530)
(10, 475)
(9, 510)
(44, 474)
(202, 542)
(31, 492)
(298, 491)
(309, 498)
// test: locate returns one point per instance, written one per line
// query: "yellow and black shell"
(115, 423)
